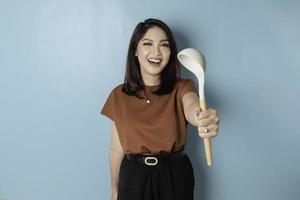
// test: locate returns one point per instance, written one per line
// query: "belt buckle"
(151, 157)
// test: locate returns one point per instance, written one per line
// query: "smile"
(154, 60)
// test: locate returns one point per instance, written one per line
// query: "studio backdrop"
(60, 59)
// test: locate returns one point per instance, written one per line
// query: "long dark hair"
(133, 81)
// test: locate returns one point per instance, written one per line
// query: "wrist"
(193, 111)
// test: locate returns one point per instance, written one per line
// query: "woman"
(149, 113)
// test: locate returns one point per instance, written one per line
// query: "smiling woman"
(153, 54)
(149, 120)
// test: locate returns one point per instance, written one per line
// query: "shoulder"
(185, 85)
(115, 93)
(184, 81)
(118, 87)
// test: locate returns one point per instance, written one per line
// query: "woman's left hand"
(208, 120)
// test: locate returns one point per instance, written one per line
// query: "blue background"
(60, 59)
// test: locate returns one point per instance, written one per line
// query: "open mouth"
(154, 61)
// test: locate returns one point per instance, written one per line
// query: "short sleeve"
(108, 107)
(187, 86)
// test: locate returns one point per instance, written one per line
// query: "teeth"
(154, 60)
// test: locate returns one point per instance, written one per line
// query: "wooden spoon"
(194, 61)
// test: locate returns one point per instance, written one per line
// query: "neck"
(151, 81)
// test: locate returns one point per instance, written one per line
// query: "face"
(153, 52)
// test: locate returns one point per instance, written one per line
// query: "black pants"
(168, 180)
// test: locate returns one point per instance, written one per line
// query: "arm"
(116, 154)
(208, 118)
(191, 106)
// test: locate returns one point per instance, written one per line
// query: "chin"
(156, 71)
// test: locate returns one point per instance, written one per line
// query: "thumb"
(197, 113)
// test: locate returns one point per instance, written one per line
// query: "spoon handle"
(206, 140)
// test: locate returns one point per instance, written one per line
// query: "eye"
(147, 44)
(165, 45)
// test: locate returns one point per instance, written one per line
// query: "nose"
(157, 51)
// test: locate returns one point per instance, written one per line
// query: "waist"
(155, 158)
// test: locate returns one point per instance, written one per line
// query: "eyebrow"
(152, 40)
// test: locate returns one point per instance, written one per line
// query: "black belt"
(155, 158)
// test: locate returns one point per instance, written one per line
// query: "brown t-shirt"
(150, 128)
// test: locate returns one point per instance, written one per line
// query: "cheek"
(167, 55)
(144, 52)
(166, 52)
(140, 50)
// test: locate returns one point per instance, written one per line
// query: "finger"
(211, 134)
(208, 135)
(212, 128)
(216, 114)
(208, 129)
(216, 120)
(203, 129)
(213, 112)
(204, 114)
(207, 113)
(207, 121)
(197, 111)
(212, 118)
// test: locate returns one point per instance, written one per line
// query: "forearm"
(115, 159)
(191, 110)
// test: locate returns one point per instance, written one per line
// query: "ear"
(135, 53)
